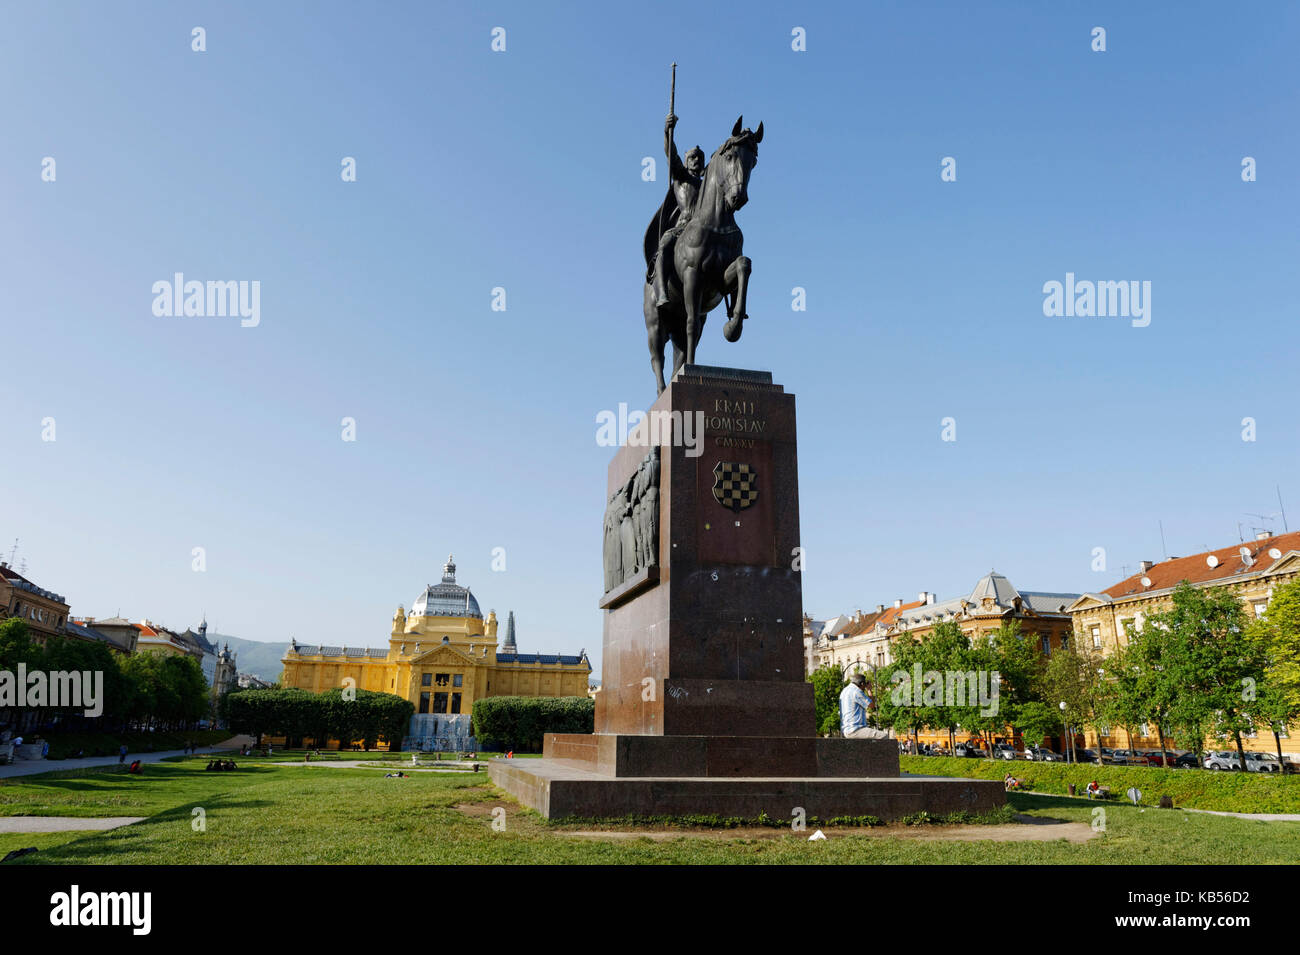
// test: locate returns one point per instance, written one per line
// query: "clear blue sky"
(476, 429)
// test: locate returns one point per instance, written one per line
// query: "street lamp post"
(1065, 727)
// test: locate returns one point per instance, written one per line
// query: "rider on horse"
(685, 179)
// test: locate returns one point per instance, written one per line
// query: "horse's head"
(733, 161)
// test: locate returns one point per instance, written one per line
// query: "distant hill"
(253, 656)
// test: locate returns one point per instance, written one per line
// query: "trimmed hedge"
(520, 722)
(1190, 788)
(299, 713)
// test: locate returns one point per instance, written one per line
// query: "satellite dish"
(1245, 555)
(1212, 561)
(1274, 553)
(1146, 581)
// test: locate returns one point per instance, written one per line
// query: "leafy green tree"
(827, 683)
(1214, 658)
(1279, 630)
(895, 702)
(1036, 720)
(1072, 677)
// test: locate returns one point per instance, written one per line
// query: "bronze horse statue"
(707, 264)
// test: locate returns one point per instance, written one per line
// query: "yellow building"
(442, 657)
(1250, 571)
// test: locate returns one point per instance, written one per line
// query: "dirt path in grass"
(29, 824)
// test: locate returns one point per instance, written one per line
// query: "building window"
(1259, 610)
(455, 702)
(1065, 641)
(1047, 646)
(424, 702)
(440, 702)
(426, 680)
(443, 679)
(1144, 730)
(457, 679)
(1096, 637)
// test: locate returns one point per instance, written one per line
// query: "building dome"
(446, 599)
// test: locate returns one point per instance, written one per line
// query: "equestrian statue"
(693, 247)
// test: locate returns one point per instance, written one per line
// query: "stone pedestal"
(703, 706)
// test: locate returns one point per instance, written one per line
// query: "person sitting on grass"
(135, 768)
(1094, 789)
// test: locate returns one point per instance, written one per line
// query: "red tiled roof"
(891, 614)
(1194, 569)
(860, 626)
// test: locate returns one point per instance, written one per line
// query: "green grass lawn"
(268, 814)
(1189, 788)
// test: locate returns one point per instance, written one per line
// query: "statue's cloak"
(664, 219)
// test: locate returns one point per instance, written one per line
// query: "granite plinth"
(560, 789)
(717, 628)
(716, 756)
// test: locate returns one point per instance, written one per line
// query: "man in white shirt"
(854, 707)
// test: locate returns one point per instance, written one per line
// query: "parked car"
(1085, 756)
(1157, 758)
(1262, 763)
(1130, 757)
(1186, 761)
(1004, 751)
(1042, 755)
(1221, 760)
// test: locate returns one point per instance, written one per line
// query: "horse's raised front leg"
(691, 301)
(737, 280)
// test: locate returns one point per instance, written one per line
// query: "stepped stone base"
(595, 775)
(560, 789)
(710, 756)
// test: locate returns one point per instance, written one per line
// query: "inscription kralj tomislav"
(693, 246)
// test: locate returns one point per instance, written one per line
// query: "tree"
(1037, 720)
(827, 684)
(894, 698)
(1072, 676)
(1214, 659)
(1278, 629)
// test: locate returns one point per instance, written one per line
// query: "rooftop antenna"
(1285, 529)
(1163, 548)
(13, 553)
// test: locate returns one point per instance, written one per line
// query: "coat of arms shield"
(735, 485)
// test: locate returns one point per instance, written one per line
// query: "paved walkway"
(30, 767)
(29, 824)
(1121, 800)
(391, 765)
(1260, 816)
